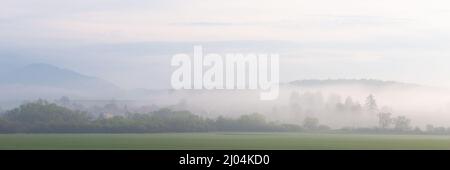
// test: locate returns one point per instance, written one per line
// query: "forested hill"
(347, 82)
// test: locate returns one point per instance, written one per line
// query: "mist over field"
(372, 64)
(338, 103)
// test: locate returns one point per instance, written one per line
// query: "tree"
(64, 101)
(351, 105)
(252, 122)
(43, 116)
(310, 123)
(384, 120)
(402, 123)
(417, 130)
(371, 104)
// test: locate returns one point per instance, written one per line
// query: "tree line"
(44, 117)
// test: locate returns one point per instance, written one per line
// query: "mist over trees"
(333, 109)
(45, 117)
(371, 105)
(299, 110)
(336, 103)
(384, 120)
(312, 103)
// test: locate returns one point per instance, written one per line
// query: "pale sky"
(130, 42)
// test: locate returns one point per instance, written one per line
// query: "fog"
(337, 103)
(334, 105)
(100, 54)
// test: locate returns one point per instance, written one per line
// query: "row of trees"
(431, 129)
(315, 104)
(399, 123)
(44, 117)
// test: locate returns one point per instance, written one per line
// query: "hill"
(46, 81)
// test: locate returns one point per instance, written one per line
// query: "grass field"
(225, 141)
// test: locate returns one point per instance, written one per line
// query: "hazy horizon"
(131, 43)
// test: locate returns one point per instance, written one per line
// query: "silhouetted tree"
(371, 104)
(310, 123)
(402, 123)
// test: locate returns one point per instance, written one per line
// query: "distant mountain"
(346, 82)
(44, 80)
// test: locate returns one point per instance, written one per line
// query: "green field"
(226, 141)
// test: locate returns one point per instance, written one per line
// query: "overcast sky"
(130, 42)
